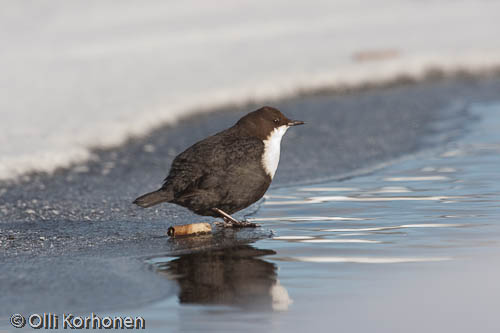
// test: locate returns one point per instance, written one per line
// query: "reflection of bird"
(228, 171)
(232, 276)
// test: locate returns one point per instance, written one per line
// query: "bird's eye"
(276, 121)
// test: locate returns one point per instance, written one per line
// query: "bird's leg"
(225, 215)
(231, 222)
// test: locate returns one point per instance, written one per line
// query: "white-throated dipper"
(228, 171)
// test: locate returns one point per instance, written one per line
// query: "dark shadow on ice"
(234, 276)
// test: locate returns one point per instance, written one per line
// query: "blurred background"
(80, 74)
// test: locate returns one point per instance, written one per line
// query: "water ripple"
(365, 260)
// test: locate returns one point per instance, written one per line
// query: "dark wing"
(201, 165)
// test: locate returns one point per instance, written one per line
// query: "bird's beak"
(295, 122)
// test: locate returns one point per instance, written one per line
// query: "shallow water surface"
(411, 247)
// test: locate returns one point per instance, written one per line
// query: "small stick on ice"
(189, 229)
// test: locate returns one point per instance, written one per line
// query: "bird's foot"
(236, 224)
(240, 224)
(231, 222)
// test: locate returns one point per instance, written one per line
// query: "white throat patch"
(272, 144)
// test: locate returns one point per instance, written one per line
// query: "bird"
(228, 171)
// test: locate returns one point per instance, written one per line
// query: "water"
(412, 247)
(80, 74)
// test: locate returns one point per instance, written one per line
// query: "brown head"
(262, 122)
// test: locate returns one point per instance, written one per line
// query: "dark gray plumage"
(223, 172)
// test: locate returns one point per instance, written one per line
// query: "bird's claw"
(236, 224)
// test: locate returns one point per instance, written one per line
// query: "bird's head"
(265, 122)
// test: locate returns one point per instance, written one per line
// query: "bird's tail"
(153, 198)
